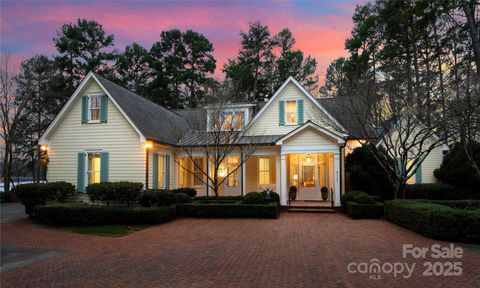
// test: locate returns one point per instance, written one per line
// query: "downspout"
(340, 151)
(208, 172)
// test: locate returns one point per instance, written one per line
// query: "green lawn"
(106, 230)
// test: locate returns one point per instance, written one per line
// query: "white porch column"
(336, 171)
(244, 177)
(283, 190)
(278, 182)
(207, 192)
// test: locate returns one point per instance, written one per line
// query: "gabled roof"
(309, 96)
(309, 124)
(150, 120)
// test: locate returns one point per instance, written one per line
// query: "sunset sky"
(320, 27)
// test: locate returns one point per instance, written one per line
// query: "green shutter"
(155, 171)
(103, 108)
(167, 171)
(300, 111)
(104, 167)
(281, 112)
(418, 174)
(81, 172)
(84, 109)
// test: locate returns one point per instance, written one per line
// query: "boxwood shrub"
(86, 215)
(153, 197)
(435, 220)
(221, 198)
(457, 204)
(228, 210)
(186, 190)
(115, 192)
(350, 196)
(182, 198)
(433, 191)
(34, 194)
(361, 211)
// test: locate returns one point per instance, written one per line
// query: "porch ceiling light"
(43, 147)
(309, 158)
(295, 177)
(221, 172)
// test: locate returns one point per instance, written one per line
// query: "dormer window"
(233, 120)
(291, 112)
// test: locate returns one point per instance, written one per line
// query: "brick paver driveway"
(297, 250)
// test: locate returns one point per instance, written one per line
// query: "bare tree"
(11, 110)
(219, 135)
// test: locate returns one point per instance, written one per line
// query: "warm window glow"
(93, 168)
(308, 178)
(94, 108)
(227, 121)
(182, 181)
(239, 120)
(161, 171)
(232, 165)
(197, 172)
(291, 111)
(263, 170)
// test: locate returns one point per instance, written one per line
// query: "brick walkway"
(297, 250)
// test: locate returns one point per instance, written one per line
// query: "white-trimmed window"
(161, 171)
(232, 164)
(291, 117)
(263, 170)
(94, 108)
(93, 168)
(233, 120)
(239, 120)
(227, 121)
(197, 172)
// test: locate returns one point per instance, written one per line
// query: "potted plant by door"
(293, 193)
(324, 191)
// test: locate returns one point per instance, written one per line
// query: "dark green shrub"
(182, 198)
(31, 195)
(227, 198)
(228, 210)
(434, 191)
(455, 169)
(189, 191)
(362, 211)
(61, 190)
(457, 204)
(366, 174)
(9, 196)
(349, 196)
(115, 192)
(254, 198)
(86, 215)
(435, 220)
(363, 199)
(155, 197)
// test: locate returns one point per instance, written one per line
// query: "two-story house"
(108, 133)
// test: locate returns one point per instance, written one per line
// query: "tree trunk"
(472, 29)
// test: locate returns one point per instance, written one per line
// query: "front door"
(308, 183)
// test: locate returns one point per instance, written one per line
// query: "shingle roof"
(341, 110)
(154, 121)
(203, 138)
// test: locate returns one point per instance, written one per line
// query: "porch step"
(311, 209)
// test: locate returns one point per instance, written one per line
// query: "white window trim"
(194, 170)
(285, 113)
(85, 154)
(99, 108)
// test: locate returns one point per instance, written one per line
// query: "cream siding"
(431, 162)
(268, 122)
(117, 136)
(307, 137)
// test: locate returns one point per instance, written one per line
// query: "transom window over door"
(291, 111)
(264, 170)
(93, 168)
(94, 108)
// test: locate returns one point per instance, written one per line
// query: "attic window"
(233, 120)
(94, 108)
(291, 112)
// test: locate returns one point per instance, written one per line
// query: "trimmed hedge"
(182, 198)
(361, 211)
(86, 215)
(435, 220)
(149, 198)
(363, 199)
(228, 210)
(115, 192)
(433, 191)
(186, 190)
(349, 196)
(227, 198)
(254, 198)
(33, 194)
(457, 204)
